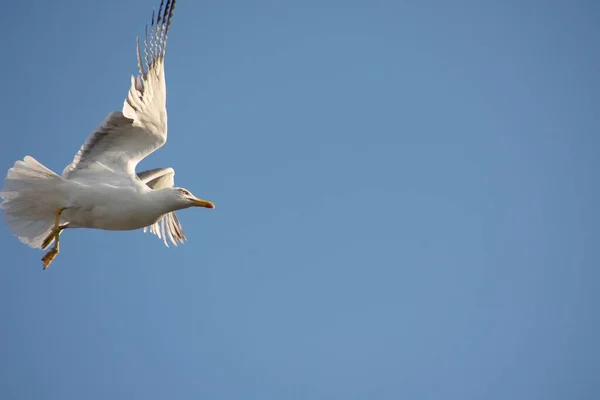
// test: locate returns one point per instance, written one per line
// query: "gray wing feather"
(125, 138)
(168, 226)
(111, 148)
(153, 177)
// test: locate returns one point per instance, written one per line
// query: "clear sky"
(407, 203)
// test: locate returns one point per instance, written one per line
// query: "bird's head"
(185, 199)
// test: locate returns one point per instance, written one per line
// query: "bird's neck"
(161, 201)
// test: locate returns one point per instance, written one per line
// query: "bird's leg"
(55, 233)
(48, 241)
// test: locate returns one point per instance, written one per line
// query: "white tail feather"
(31, 195)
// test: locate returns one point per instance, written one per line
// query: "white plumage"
(100, 188)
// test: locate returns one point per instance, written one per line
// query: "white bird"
(100, 188)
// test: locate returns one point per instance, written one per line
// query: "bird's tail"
(31, 195)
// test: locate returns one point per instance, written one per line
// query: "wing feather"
(125, 138)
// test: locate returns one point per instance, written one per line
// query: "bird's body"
(104, 206)
(100, 189)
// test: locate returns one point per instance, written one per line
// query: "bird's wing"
(125, 138)
(168, 226)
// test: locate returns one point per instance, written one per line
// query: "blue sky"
(407, 203)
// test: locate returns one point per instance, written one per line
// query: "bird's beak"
(203, 203)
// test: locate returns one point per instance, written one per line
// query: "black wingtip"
(169, 16)
(160, 9)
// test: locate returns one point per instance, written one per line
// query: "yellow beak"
(203, 203)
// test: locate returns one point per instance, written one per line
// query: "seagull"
(100, 189)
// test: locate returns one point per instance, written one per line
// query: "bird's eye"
(185, 192)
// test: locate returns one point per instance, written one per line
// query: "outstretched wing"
(169, 225)
(125, 138)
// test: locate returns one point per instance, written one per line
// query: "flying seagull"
(100, 189)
